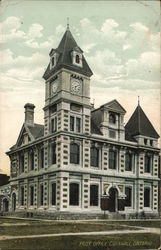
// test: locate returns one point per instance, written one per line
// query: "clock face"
(54, 87)
(76, 87)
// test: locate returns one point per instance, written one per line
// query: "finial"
(67, 23)
(138, 100)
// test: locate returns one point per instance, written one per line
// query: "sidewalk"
(142, 230)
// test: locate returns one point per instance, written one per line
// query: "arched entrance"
(13, 201)
(5, 205)
(113, 200)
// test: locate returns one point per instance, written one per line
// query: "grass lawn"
(143, 223)
(17, 227)
(30, 227)
(114, 242)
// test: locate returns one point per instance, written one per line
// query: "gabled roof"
(139, 124)
(66, 46)
(115, 106)
(34, 132)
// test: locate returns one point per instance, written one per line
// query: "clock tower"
(67, 88)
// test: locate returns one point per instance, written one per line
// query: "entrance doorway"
(113, 200)
(5, 205)
(13, 201)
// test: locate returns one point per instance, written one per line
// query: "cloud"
(145, 67)
(8, 59)
(60, 29)
(110, 30)
(108, 25)
(32, 43)
(10, 29)
(105, 62)
(141, 38)
(35, 31)
(87, 47)
(85, 22)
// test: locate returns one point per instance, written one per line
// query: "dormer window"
(53, 58)
(76, 58)
(52, 61)
(112, 118)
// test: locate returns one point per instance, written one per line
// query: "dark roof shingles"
(37, 130)
(67, 44)
(139, 124)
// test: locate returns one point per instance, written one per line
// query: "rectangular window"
(94, 195)
(31, 196)
(94, 157)
(53, 194)
(74, 194)
(32, 160)
(71, 123)
(77, 125)
(128, 199)
(74, 153)
(146, 197)
(22, 196)
(22, 164)
(112, 159)
(41, 195)
(41, 157)
(54, 153)
(128, 162)
(54, 124)
(147, 164)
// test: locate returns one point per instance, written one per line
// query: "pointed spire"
(139, 124)
(67, 23)
(139, 114)
(138, 100)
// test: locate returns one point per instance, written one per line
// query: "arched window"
(77, 59)
(146, 197)
(94, 157)
(112, 118)
(74, 153)
(93, 195)
(128, 162)
(112, 159)
(147, 164)
(74, 194)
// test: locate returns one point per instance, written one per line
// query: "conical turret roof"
(139, 124)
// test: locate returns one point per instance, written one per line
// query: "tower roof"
(66, 46)
(139, 124)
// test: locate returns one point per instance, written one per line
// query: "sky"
(120, 41)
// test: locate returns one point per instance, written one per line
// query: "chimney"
(29, 114)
